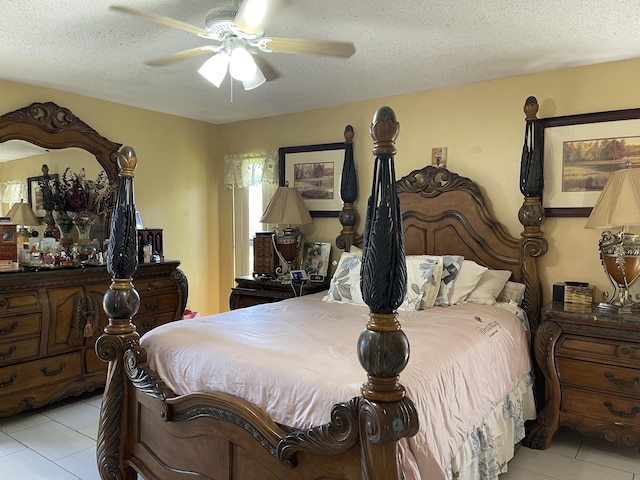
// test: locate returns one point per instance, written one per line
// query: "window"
(253, 178)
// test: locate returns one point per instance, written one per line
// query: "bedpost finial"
(384, 131)
(127, 161)
(348, 134)
(531, 108)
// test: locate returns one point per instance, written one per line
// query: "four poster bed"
(277, 391)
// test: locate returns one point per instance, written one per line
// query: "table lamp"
(619, 206)
(22, 215)
(287, 208)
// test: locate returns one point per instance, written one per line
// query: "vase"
(64, 222)
(84, 221)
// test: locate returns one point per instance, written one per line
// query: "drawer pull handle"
(148, 326)
(9, 354)
(14, 325)
(148, 306)
(53, 373)
(619, 413)
(4, 302)
(152, 285)
(10, 382)
(615, 383)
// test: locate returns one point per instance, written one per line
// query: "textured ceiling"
(401, 47)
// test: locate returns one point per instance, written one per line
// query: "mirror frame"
(51, 126)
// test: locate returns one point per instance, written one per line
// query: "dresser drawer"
(153, 284)
(154, 304)
(604, 377)
(144, 323)
(92, 363)
(590, 348)
(19, 326)
(40, 372)
(11, 352)
(23, 301)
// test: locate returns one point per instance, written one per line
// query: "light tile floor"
(57, 442)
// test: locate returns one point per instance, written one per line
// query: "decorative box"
(570, 293)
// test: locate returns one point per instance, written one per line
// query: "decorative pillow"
(489, 287)
(450, 268)
(345, 283)
(423, 281)
(512, 292)
(468, 279)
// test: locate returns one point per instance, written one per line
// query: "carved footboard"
(146, 428)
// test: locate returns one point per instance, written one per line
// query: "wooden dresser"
(591, 363)
(50, 320)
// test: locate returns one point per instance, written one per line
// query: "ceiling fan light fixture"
(257, 80)
(242, 66)
(215, 68)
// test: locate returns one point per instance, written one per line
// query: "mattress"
(296, 358)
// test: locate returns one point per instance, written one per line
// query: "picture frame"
(316, 171)
(557, 133)
(34, 193)
(315, 258)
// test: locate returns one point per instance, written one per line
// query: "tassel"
(88, 329)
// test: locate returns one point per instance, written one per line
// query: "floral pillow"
(345, 283)
(423, 281)
(451, 265)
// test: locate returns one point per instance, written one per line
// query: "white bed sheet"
(464, 361)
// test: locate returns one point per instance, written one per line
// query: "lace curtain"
(249, 169)
(11, 192)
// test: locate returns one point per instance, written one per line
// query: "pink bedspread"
(297, 358)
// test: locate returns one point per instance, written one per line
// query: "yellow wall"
(483, 127)
(179, 183)
(176, 168)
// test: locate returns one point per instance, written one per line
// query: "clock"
(8, 242)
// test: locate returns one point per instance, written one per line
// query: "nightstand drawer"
(619, 410)
(591, 348)
(604, 377)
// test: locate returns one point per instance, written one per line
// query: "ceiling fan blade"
(254, 15)
(169, 22)
(268, 71)
(183, 55)
(310, 47)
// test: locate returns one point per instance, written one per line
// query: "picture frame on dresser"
(315, 170)
(558, 136)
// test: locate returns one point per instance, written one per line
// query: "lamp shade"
(22, 214)
(619, 202)
(286, 208)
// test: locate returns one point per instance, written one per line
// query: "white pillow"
(450, 269)
(423, 281)
(489, 287)
(345, 283)
(467, 280)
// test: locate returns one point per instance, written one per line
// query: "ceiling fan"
(239, 40)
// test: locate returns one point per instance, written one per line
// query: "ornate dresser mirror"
(53, 128)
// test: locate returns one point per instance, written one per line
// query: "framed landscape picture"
(316, 171)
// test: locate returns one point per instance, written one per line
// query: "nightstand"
(590, 360)
(251, 291)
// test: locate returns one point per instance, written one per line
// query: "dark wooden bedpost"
(531, 213)
(121, 303)
(385, 413)
(348, 193)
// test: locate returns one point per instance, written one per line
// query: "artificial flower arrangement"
(76, 193)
